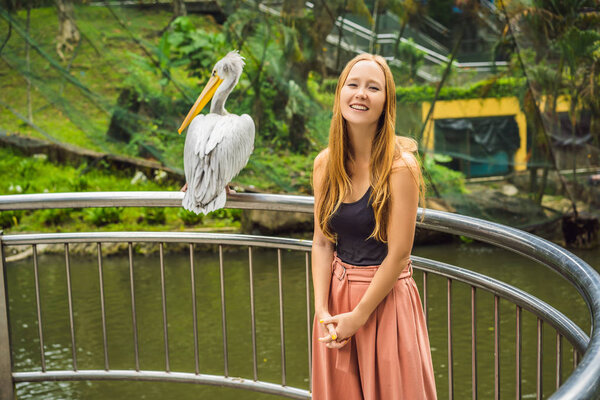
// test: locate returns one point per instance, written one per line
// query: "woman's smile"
(359, 107)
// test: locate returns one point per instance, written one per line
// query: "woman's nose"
(361, 92)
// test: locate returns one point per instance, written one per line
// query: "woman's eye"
(352, 84)
(374, 88)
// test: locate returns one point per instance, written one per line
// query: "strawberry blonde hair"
(386, 148)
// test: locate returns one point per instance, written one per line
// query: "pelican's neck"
(217, 105)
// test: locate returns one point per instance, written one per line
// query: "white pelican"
(218, 145)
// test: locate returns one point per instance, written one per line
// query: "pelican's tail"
(191, 205)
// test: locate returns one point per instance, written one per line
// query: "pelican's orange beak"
(209, 91)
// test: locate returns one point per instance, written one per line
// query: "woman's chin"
(360, 120)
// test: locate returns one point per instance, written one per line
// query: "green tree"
(557, 44)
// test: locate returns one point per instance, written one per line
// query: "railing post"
(7, 387)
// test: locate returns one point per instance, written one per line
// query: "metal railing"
(583, 383)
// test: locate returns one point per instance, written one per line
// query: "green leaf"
(442, 158)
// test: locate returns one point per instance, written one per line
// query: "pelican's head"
(227, 69)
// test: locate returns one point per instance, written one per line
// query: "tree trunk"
(442, 81)
(399, 37)
(373, 40)
(28, 65)
(435, 97)
(293, 8)
(68, 34)
(179, 9)
(542, 188)
(533, 179)
(340, 35)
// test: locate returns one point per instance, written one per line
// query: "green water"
(88, 324)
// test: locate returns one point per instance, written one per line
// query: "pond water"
(497, 263)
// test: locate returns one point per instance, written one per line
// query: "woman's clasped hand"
(340, 328)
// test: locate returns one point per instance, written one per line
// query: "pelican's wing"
(219, 156)
(198, 133)
(226, 153)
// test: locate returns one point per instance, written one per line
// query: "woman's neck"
(361, 140)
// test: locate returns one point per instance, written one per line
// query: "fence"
(583, 383)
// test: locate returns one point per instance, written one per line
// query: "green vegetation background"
(73, 102)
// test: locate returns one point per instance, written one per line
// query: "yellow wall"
(478, 108)
(562, 103)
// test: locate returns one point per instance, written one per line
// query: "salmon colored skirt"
(389, 357)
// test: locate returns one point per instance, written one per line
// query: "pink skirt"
(389, 357)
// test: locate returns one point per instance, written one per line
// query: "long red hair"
(386, 147)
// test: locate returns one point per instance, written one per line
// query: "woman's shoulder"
(406, 144)
(405, 160)
(321, 158)
(405, 154)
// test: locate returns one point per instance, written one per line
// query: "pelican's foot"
(184, 188)
(229, 190)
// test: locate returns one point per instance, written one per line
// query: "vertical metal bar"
(473, 343)
(133, 313)
(70, 299)
(450, 355)
(223, 318)
(496, 347)
(308, 319)
(195, 315)
(252, 316)
(558, 360)
(425, 311)
(518, 336)
(575, 358)
(38, 304)
(281, 330)
(102, 309)
(540, 340)
(164, 306)
(7, 387)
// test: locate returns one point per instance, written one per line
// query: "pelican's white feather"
(217, 148)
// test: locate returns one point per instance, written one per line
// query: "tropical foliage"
(125, 86)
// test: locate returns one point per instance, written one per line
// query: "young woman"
(369, 339)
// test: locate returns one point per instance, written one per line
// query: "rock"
(275, 222)
(427, 236)
(159, 175)
(438, 204)
(494, 205)
(138, 177)
(515, 211)
(509, 190)
(581, 231)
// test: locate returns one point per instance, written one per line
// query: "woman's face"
(363, 95)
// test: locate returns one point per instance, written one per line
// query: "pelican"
(218, 145)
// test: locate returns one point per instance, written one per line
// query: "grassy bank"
(19, 175)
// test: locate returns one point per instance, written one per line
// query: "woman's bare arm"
(322, 251)
(401, 229)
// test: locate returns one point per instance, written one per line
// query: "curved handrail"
(584, 381)
(272, 202)
(159, 376)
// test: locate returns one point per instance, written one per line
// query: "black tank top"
(353, 223)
